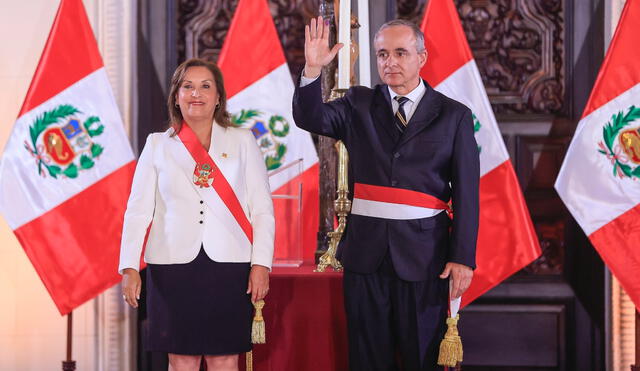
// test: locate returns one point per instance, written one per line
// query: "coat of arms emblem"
(621, 143)
(62, 144)
(203, 175)
(268, 134)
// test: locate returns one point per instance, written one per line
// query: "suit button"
(202, 212)
(396, 155)
(201, 222)
(201, 202)
(394, 183)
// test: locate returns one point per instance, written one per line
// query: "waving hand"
(316, 47)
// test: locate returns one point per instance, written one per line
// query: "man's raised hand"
(316, 47)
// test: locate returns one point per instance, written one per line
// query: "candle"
(343, 172)
(364, 78)
(344, 37)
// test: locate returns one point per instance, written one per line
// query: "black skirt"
(199, 308)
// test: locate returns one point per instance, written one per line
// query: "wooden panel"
(521, 335)
(537, 161)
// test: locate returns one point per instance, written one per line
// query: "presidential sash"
(394, 203)
(207, 174)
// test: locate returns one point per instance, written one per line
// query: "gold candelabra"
(342, 204)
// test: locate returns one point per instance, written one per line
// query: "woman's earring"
(177, 105)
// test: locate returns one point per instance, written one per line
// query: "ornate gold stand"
(342, 204)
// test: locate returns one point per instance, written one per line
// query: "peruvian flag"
(599, 181)
(507, 241)
(260, 90)
(66, 170)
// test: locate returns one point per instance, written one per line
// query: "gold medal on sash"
(203, 175)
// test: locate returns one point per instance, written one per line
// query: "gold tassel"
(451, 346)
(257, 332)
(258, 335)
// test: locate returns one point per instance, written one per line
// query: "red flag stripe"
(621, 67)
(445, 41)
(507, 241)
(617, 244)
(252, 26)
(78, 258)
(70, 53)
(397, 196)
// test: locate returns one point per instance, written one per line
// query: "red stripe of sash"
(397, 196)
(220, 183)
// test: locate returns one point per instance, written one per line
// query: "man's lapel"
(428, 109)
(383, 114)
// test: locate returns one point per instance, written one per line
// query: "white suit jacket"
(184, 216)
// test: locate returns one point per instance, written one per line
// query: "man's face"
(399, 62)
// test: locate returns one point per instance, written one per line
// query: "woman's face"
(197, 95)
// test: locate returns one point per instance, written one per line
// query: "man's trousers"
(394, 324)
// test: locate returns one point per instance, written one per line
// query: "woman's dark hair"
(220, 113)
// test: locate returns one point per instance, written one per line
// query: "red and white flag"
(66, 170)
(260, 90)
(599, 181)
(507, 241)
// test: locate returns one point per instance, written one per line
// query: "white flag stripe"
(24, 194)
(388, 210)
(465, 86)
(586, 183)
(272, 95)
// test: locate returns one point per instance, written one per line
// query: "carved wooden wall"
(203, 26)
(519, 48)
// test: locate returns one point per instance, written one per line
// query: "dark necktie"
(400, 117)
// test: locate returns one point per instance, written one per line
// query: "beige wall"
(32, 332)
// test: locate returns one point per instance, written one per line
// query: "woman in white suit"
(202, 186)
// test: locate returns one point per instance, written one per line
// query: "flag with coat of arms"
(66, 169)
(599, 180)
(260, 90)
(507, 241)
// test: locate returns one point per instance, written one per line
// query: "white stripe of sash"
(389, 210)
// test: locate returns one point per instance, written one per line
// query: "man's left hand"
(461, 276)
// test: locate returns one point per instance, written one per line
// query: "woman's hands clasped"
(316, 47)
(131, 286)
(258, 283)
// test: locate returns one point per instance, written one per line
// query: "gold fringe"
(451, 346)
(249, 360)
(258, 335)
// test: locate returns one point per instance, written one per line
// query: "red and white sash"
(394, 203)
(213, 182)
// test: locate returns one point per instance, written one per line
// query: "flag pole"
(69, 364)
(636, 367)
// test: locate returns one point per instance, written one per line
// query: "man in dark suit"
(412, 150)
